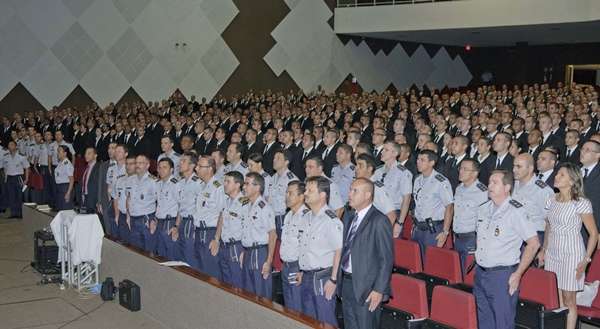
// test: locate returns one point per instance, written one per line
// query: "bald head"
(523, 167)
(361, 193)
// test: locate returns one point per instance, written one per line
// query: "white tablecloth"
(85, 236)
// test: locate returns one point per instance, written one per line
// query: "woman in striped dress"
(564, 252)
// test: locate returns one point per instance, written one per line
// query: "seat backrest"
(443, 263)
(406, 233)
(593, 273)
(407, 255)
(539, 286)
(454, 308)
(277, 263)
(449, 244)
(409, 295)
(469, 278)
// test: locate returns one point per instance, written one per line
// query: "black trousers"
(356, 313)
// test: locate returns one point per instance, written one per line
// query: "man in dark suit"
(330, 151)
(501, 144)
(210, 143)
(572, 148)
(367, 259)
(252, 145)
(295, 152)
(271, 146)
(221, 141)
(546, 167)
(90, 181)
(143, 145)
(590, 170)
(459, 147)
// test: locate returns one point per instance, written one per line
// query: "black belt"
(205, 228)
(465, 235)
(422, 226)
(497, 268)
(256, 246)
(168, 219)
(316, 270)
(347, 275)
(230, 243)
(142, 216)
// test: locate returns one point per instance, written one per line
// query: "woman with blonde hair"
(564, 252)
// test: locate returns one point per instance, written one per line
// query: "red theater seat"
(408, 303)
(538, 301)
(406, 233)
(407, 257)
(442, 267)
(592, 314)
(454, 308)
(277, 263)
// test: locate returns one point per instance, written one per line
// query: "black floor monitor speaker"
(45, 253)
(129, 295)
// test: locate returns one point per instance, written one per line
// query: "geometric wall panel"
(304, 32)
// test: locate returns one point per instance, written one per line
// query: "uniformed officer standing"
(49, 185)
(433, 203)
(290, 245)
(320, 252)
(470, 194)
(207, 218)
(40, 160)
(183, 232)
(314, 168)
(343, 172)
(116, 169)
(15, 166)
(531, 192)
(255, 165)
(141, 204)
(365, 166)
(502, 227)
(167, 206)
(230, 251)
(258, 239)
(119, 194)
(234, 157)
(281, 179)
(397, 180)
(166, 145)
(63, 176)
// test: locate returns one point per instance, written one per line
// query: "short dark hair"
(168, 161)
(192, 156)
(256, 157)
(323, 185)
(238, 178)
(369, 160)
(474, 163)
(431, 156)
(239, 148)
(258, 179)
(299, 185)
(507, 177)
(124, 146)
(317, 159)
(287, 156)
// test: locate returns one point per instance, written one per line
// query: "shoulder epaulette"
(482, 187)
(378, 183)
(264, 174)
(194, 178)
(216, 183)
(305, 211)
(176, 154)
(290, 175)
(244, 200)
(540, 183)
(244, 165)
(401, 167)
(121, 176)
(151, 176)
(261, 204)
(174, 180)
(352, 167)
(440, 177)
(330, 213)
(380, 166)
(516, 203)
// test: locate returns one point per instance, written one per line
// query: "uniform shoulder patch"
(305, 211)
(174, 180)
(244, 200)
(330, 213)
(401, 167)
(516, 203)
(378, 183)
(540, 183)
(216, 183)
(261, 204)
(440, 177)
(290, 175)
(482, 187)
(194, 178)
(244, 165)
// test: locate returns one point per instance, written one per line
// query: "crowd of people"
(510, 174)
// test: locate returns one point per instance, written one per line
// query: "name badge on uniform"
(496, 231)
(142, 197)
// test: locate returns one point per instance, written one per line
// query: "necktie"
(85, 179)
(530, 151)
(305, 155)
(498, 163)
(568, 153)
(585, 172)
(348, 243)
(541, 176)
(325, 153)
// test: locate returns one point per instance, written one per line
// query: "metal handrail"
(365, 3)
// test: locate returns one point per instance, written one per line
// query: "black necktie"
(498, 163)
(540, 176)
(585, 172)
(568, 153)
(348, 243)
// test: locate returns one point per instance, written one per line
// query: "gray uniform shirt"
(343, 177)
(432, 195)
(293, 226)
(210, 203)
(397, 180)
(467, 200)
(322, 236)
(167, 198)
(533, 195)
(257, 223)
